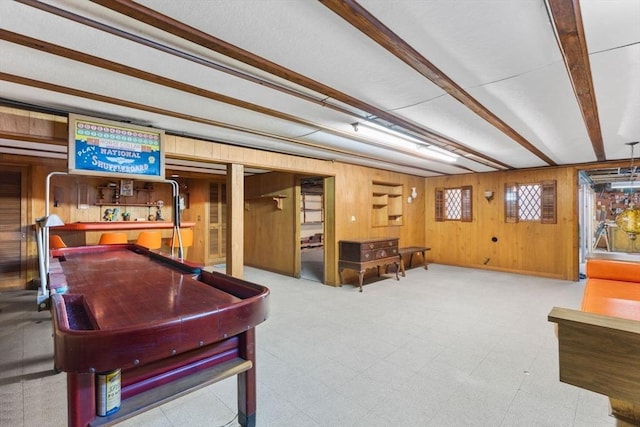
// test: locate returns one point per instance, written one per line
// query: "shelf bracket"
(278, 200)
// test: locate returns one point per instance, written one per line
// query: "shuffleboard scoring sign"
(108, 148)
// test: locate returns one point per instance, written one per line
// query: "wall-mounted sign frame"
(108, 148)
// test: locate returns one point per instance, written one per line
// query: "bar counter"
(88, 233)
(119, 225)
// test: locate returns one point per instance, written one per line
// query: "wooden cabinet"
(368, 249)
(386, 204)
(360, 255)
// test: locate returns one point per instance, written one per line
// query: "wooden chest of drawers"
(359, 255)
(368, 250)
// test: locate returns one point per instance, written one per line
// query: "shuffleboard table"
(167, 325)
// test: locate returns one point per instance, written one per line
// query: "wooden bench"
(412, 250)
(599, 345)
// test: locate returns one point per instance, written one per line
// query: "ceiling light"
(384, 134)
(390, 136)
(625, 184)
(438, 153)
(442, 151)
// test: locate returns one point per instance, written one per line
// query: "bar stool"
(56, 242)
(187, 240)
(150, 239)
(113, 238)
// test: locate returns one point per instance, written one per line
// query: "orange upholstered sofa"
(599, 345)
(612, 288)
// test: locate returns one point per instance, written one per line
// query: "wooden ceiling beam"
(567, 20)
(363, 20)
(193, 90)
(24, 81)
(182, 30)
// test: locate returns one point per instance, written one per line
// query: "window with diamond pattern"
(533, 202)
(453, 204)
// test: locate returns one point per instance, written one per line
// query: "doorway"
(312, 236)
(604, 194)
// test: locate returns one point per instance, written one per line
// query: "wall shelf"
(110, 195)
(275, 197)
(386, 204)
(311, 208)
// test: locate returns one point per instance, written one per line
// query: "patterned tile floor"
(441, 347)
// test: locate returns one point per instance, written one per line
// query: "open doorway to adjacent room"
(605, 193)
(312, 217)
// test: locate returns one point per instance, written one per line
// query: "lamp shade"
(52, 220)
(629, 221)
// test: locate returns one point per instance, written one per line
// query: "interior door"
(13, 228)
(217, 247)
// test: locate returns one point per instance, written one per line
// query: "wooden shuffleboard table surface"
(169, 326)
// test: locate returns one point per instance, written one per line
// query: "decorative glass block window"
(534, 202)
(454, 204)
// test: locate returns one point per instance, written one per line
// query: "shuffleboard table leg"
(81, 399)
(247, 381)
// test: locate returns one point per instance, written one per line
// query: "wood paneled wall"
(353, 209)
(270, 231)
(528, 248)
(549, 250)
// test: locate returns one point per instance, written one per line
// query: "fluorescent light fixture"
(442, 151)
(384, 134)
(436, 153)
(625, 184)
(391, 136)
